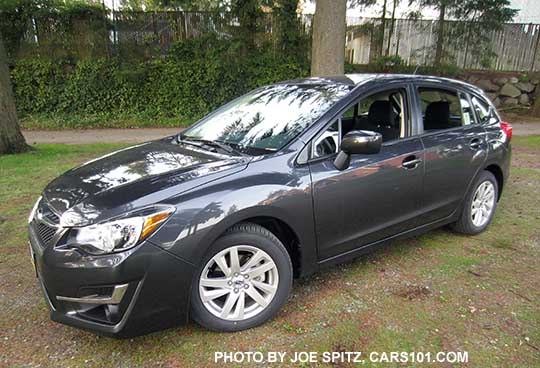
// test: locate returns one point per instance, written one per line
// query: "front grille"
(45, 223)
(52, 217)
(45, 232)
(46, 214)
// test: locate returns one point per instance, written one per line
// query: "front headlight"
(120, 234)
(34, 209)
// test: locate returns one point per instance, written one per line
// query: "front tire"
(243, 280)
(479, 205)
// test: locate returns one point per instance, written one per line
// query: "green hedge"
(186, 85)
(196, 77)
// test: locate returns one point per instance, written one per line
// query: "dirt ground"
(82, 136)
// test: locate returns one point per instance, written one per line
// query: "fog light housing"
(102, 296)
(102, 304)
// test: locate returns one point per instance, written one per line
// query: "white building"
(529, 11)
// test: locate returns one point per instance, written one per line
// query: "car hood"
(133, 178)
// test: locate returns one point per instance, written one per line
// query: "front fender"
(206, 213)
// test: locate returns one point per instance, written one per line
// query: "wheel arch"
(275, 222)
(499, 176)
(285, 233)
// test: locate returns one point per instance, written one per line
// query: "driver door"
(378, 195)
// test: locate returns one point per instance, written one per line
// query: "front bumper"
(82, 290)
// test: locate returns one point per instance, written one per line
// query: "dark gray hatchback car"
(214, 223)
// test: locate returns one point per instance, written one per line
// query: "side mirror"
(357, 142)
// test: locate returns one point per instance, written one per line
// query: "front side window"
(383, 112)
(328, 142)
(444, 109)
(268, 118)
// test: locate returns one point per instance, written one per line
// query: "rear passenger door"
(455, 148)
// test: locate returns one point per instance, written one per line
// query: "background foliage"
(197, 76)
(54, 29)
(76, 65)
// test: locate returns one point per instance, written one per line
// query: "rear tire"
(243, 281)
(479, 205)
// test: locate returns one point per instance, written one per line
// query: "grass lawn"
(436, 292)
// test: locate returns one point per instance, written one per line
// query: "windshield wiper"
(216, 144)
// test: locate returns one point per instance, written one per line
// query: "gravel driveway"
(532, 128)
(80, 136)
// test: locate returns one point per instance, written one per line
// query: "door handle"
(411, 162)
(475, 143)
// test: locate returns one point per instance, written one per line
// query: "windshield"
(268, 118)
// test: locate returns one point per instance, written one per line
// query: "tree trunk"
(11, 138)
(440, 36)
(392, 25)
(328, 49)
(383, 29)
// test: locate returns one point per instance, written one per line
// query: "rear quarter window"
(485, 112)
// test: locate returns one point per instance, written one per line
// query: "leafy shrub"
(38, 85)
(385, 64)
(197, 76)
(73, 29)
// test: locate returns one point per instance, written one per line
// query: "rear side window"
(484, 111)
(444, 109)
(466, 109)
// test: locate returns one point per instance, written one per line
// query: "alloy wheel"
(238, 283)
(483, 203)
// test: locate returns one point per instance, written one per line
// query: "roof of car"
(358, 79)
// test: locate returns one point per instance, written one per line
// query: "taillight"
(507, 129)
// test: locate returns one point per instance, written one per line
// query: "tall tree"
(248, 13)
(11, 138)
(477, 18)
(442, 6)
(14, 19)
(290, 38)
(328, 46)
(380, 46)
(440, 33)
(392, 26)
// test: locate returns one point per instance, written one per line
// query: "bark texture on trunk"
(392, 25)
(328, 47)
(11, 138)
(383, 30)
